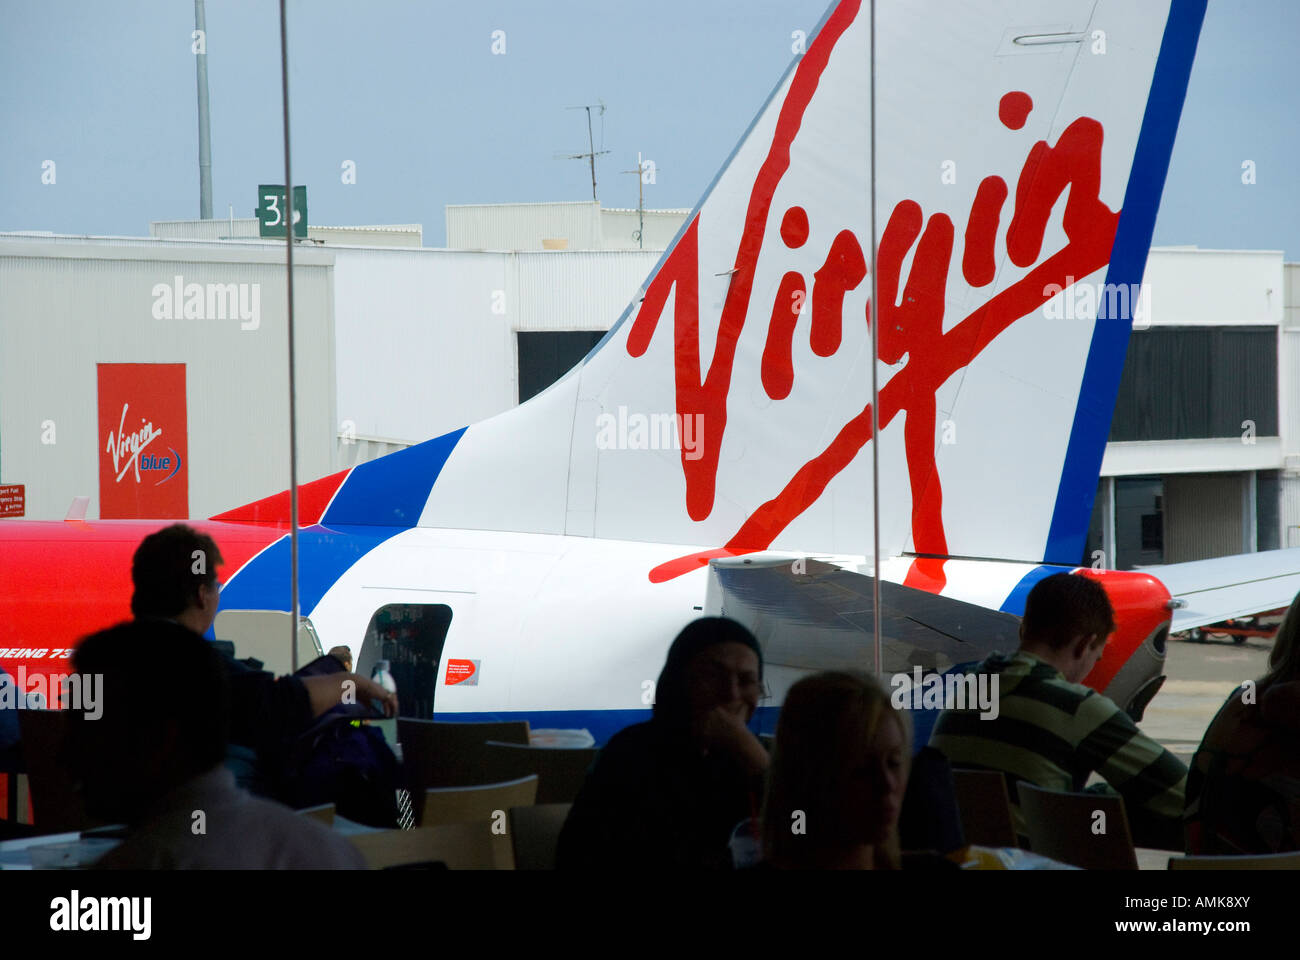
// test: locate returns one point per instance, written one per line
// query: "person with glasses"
(666, 793)
(174, 578)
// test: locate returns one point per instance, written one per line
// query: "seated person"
(1243, 788)
(268, 714)
(1052, 731)
(667, 793)
(153, 761)
(838, 775)
(343, 655)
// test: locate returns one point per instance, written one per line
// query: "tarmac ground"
(1201, 675)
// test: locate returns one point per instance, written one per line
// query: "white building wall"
(421, 351)
(426, 338)
(245, 228)
(523, 226)
(1289, 401)
(67, 304)
(583, 225)
(581, 290)
(1140, 457)
(1191, 287)
(221, 228)
(619, 228)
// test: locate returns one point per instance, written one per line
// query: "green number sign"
(272, 210)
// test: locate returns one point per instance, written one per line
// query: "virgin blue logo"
(150, 462)
(128, 450)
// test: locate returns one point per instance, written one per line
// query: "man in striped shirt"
(1054, 732)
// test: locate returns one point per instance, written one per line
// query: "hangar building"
(397, 343)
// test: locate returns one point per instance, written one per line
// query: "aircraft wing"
(1227, 587)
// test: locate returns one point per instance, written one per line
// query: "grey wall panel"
(1183, 383)
(1203, 516)
(1289, 508)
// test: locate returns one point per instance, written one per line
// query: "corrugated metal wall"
(1289, 499)
(1203, 516)
(67, 305)
(1184, 383)
(523, 226)
(583, 225)
(580, 290)
(215, 229)
(424, 340)
(439, 328)
(1289, 401)
(619, 227)
(396, 235)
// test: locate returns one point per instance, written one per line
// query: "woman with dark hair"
(667, 793)
(839, 773)
(1243, 785)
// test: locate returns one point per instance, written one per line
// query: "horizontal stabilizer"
(813, 615)
(1228, 587)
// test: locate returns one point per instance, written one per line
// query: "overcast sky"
(412, 93)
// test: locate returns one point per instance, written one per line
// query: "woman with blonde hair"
(837, 778)
(1243, 785)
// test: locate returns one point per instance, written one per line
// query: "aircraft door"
(410, 636)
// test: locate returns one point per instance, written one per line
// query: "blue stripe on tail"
(1069, 530)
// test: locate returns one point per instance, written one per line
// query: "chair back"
(437, 754)
(1088, 830)
(483, 806)
(985, 808)
(535, 834)
(460, 846)
(56, 804)
(561, 771)
(474, 804)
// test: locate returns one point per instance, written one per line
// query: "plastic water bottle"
(382, 677)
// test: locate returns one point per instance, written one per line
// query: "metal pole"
(875, 390)
(591, 147)
(293, 418)
(205, 133)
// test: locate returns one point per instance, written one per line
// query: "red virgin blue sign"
(143, 450)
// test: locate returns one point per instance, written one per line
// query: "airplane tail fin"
(1021, 148)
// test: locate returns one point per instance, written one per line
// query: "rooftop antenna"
(640, 200)
(592, 153)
